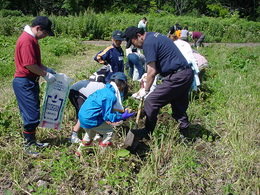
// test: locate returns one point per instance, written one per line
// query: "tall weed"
(89, 25)
(223, 159)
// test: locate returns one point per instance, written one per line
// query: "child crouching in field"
(103, 110)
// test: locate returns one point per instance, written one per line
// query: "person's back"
(178, 33)
(202, 61)
(89, 113)
(102, 110)
(196, 34)
(167, 56)
(163, 57)
(87, 87)
(187, 52)
(198, 38)
(185, 49)
(143, 23)
(184, 34)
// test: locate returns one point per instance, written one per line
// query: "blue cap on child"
(118, 35)
(119, 75)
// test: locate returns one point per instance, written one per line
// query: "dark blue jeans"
(133, 60)
(27, 95)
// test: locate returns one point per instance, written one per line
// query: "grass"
(224, 158)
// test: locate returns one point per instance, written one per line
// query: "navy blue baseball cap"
(45, 23)
(131, 33)
(118, 35)
(119, 76)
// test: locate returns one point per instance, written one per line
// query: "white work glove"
(109, 68)
(143, 93)
(50, 71)
(49, 77)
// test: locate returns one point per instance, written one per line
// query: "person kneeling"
(102, 110)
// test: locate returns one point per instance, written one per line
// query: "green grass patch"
(224, 117)
(90, 25)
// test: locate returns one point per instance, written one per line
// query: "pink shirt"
(27, 52)
(200, 59)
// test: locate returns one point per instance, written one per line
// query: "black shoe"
(185, 132)
(141, 133)
(185, 136)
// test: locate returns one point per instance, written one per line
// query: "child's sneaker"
(105, 144)
(77, 153)
(97, 137)
(74, 137)
(81, 146)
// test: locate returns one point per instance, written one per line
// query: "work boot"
(74, 137)
(142, 133)
(185, 136)
(185, 132)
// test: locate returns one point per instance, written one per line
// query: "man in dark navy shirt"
(163, 57)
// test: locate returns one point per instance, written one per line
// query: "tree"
(180, 6)
(247, 9)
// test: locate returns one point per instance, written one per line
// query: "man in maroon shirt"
(197, 37)
(25, 83)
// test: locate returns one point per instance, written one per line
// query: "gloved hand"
(143, 93)
(109, 68)
(104, 68)
(49, 77)
(50, 71)
(126, 115)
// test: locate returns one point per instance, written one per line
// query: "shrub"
(89, 25)
(6, 13)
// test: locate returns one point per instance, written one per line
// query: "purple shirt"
(196, 35)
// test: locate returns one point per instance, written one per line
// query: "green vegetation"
(212, 8)
(224, 116)
(90, 26)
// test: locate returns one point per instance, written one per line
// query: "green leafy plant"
(222, 158)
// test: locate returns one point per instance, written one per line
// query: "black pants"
(174, 90)
(77, 99)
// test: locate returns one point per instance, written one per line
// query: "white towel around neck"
(27, 29)
(118, 106)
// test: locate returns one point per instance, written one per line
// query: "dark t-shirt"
(164, 52)
(173, 29)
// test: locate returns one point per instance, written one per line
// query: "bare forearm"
(37, 70)
(151, 73)
(44, 67)
(149, 82)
